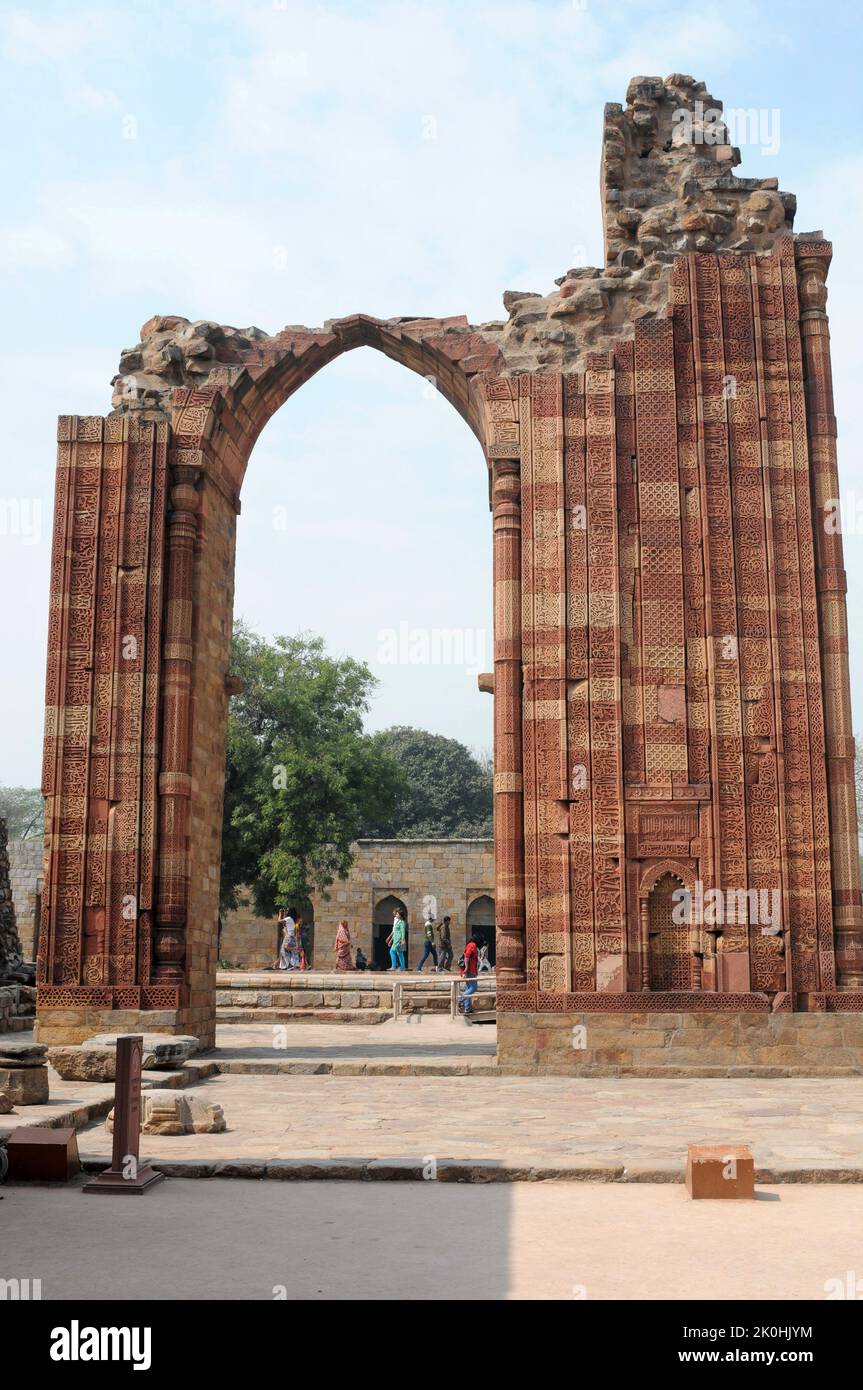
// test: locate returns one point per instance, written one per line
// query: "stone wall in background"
(10, 946)
(455, 874)
(25, 876)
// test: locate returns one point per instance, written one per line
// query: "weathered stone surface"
(685, 1044)
(176, 1112)
(671, 689)
(84, 1063)
(13, 968)
(25, 1085)
(22, 1054)
(162, 1051)
(6, 1106)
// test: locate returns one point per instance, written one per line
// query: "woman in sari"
(344, 959)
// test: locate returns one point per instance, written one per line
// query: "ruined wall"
(672, 702)
(25, 878)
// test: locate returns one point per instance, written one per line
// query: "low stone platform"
(379, 1102)
(723, 1043)
(502, 1128)
(276, 996)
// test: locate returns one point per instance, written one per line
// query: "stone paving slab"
(798, 1129)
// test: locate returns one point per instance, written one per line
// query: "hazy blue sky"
(274, 163)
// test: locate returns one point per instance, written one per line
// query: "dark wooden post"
(125, 1173)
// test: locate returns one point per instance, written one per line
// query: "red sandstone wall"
(665, 698)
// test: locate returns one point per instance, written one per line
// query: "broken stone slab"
(22, 1054)
(6, 1106)
(176, 1112)
(84, 1063)
(162, 1051)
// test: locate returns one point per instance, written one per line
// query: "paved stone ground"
(791, 1124)
(346, 1240)
(615, 1128)
(435, 1044)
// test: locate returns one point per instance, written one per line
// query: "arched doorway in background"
(382, 925)
(669, 954)
(480, 917)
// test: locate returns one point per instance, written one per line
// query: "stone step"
(301, 1066)
(262, 1014)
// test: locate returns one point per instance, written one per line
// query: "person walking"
(469, 971)
(484, 962)
(288, 955)
(397, 940)
(429, 948)
(445, 946)
(344, 960)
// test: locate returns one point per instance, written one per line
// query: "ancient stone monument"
(671, 690)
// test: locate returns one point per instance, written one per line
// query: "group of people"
(473, 962)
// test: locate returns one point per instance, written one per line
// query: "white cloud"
(95, 101)
(26, 38)
(34, 247)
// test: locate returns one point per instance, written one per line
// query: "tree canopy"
(302, 778)
(447, 790)
(23, 810)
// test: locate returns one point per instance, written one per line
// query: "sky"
(282, 162)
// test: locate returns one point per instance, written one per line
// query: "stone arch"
(145, 531)
(564, 401)
(654, 872)
(386, 906)
(669, 953)
(382, 920)
(480, 916)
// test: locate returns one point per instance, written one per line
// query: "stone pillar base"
(722, 1043)
(58, 1026)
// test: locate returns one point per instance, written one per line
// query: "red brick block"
(720, 1170)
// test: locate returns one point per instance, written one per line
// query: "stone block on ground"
(6, 1106)
(720, 1171)
(84, 1063)
(162, 1051)
(176, 1112)
(24, 1085)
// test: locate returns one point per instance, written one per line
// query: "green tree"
(302, 778)
(448, 789)
(23, 810)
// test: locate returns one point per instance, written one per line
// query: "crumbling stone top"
(667, 188)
